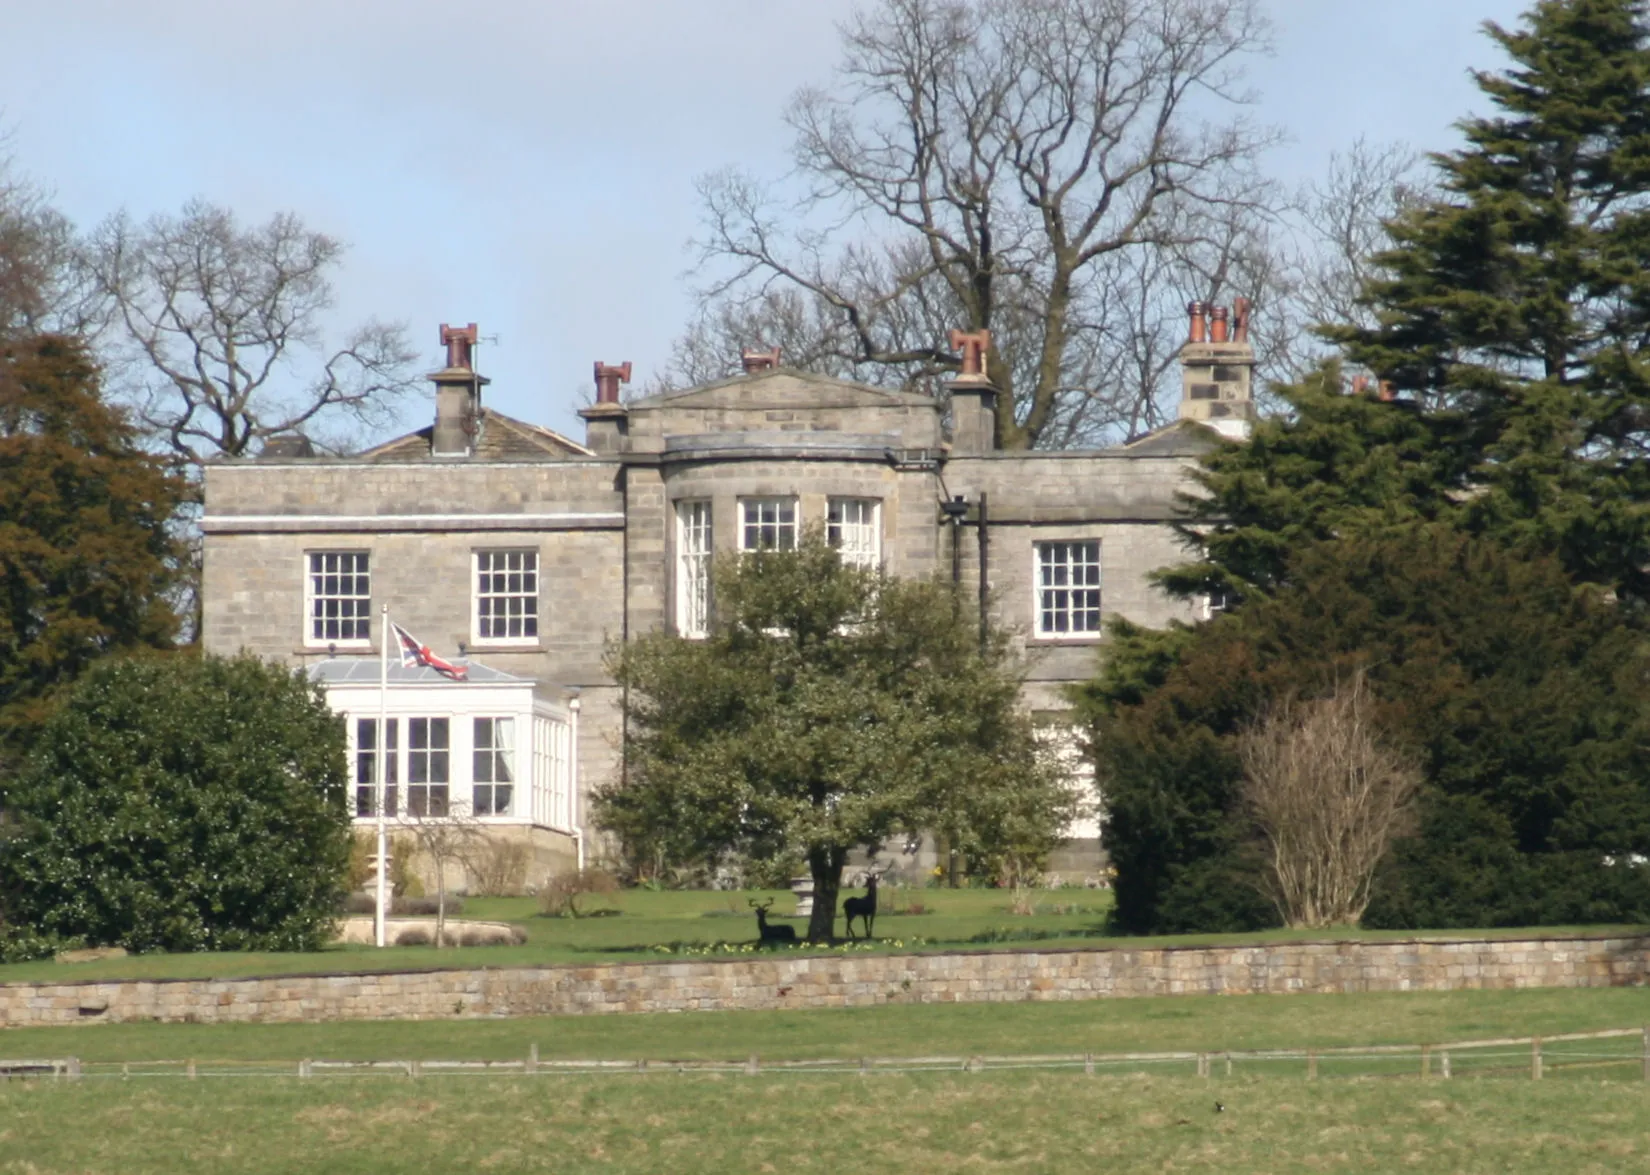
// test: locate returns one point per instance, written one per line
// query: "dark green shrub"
(181, 804)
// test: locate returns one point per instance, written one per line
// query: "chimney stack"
(756, 362)
(1217, 369)
(973, 396)
(607, 422)
(457, 394)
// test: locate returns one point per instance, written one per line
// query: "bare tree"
(448, 834)
(217, 332)
(1328, 792)
(995, 164)
(41, 291)
(1340, 227)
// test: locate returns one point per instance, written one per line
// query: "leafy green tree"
(1524, 698)
(87, 561)
(184, 804)
(829, 708)
(1519, 299)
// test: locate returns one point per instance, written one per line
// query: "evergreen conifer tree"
(1520, 298)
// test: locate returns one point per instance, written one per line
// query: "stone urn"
(803, 888)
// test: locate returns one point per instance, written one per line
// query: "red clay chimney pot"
(1217, 325)
(754, 361)
(460, 342)
(608, 380)
(1198, 312)
(973, 344)
(1240, 320)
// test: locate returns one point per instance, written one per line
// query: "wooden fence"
(1615, 1051)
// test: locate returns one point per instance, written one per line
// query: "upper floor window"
(693, 555)
(493, 772)
(1068, 589)
(852, 526)
(767, 524)
(338, 598)
(507, 596)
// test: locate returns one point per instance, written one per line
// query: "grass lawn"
(1581, 1118)
(1172, 1023)
(1021, 1122)
(968, 918)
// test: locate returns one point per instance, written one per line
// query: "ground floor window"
(493, 766)
(366, 766)
(428, 766)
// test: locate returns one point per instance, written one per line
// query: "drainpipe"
(573, 780)
(985, 572)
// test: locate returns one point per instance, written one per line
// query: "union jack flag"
(413, 653)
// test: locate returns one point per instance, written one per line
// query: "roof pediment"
(780, 389)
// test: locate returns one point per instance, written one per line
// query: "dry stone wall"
(843, 981)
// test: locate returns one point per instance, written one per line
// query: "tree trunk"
(440, 903)
(825, 865)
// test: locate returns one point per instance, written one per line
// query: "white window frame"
(854, 527)
(694, 549)
(314, 596)
(364, 757)
(482, 565)
(762, 513)
(494, 759)
(1055, 588)
(429, 765)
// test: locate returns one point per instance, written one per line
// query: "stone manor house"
(520, 553)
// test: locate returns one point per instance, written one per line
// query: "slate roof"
(499, 438)
(364, 671)
(1183, 438)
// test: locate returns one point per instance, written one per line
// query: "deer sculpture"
(770, 934)
(865, 908)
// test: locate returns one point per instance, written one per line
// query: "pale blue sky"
(530, 166)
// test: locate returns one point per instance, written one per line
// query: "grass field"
(980, 919)
(1174, 1023)
(1593, 1117)
(987, 1122)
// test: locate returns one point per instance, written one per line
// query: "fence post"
(533, 1057)
(125, 1070)
(1088, 1064)
(1646, 1033)
(1443, 1064)
(1426, 1060)
(1203, 1064)
(1535, 1058)
(1228, 1064)
(189, 1069)
(303, 1067)
(753, 1066)
(1311, 1064)
(74, 1068)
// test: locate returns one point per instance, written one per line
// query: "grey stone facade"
(602, 520)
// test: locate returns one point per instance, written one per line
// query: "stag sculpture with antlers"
(865, 908)
(770, 934)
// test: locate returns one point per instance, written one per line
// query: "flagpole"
(379, 911)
